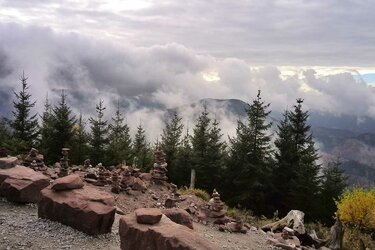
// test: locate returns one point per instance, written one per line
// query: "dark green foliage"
(63, 122)
(296, 163)
(4, 133)
(46, 132)
(120, 143)
(142, 152)
(250, 162)
(207, 152)
(333, 185)
(184, 161)
(99, 136)
(170, 143)
(80, 140)
(284, 170)
(24, 125)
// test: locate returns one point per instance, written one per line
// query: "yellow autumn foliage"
(357, 208)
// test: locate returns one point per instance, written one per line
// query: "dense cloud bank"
(146, 80)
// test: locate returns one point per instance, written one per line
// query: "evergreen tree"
(63, 122)
(170, 143)
(24, 125)
(4, 133)
(251, 159)
(184, 161)
(333, 185)
(99, 135)
(304, 185)
(46, 132)
(142, 154)
(207, 152)
(120, 143)
(284, 171)
(80, 147)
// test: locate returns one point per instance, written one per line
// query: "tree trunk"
(192, 179)
(337, 233)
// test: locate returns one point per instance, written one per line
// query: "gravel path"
(20, 228)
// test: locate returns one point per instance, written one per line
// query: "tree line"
(253, 170)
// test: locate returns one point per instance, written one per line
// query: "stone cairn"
(3, 152)
(102, 180)
(87, 164)
(159, 173)
(171, 201)
(64, 162)
(35, 160)
(127, 179)
(115, 183)
(216, 207)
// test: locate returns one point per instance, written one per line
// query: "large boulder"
(68, 182)
(179, 216)
(22, 184)
(8, 162)
(86, 209)
(164, 235)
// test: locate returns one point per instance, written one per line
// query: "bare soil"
(20, 227)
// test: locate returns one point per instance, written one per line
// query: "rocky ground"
(20, 228)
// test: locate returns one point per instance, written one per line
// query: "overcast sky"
(169, 53)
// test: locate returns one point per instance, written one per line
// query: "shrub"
(356, 208)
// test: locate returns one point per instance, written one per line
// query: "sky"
(146, 53)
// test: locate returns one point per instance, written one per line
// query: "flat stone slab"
(8, 162)
(69, 182)
(22, 184)
(148, 215)
(86, 209)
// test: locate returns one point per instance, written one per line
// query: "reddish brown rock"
(165, 235)
(179, 216)
(86, 209)
(8, 162)
(148, 215)
(139, 185)
(69, 182)
(22, 184)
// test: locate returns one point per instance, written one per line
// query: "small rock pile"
(159, 173)
(216, 209)
(64, 163)
(170, 202)
(35, 160)
(102, 177)
(87, 164)
(115, 183)
(236, 226)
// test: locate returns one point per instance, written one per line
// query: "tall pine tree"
(63, 123)
(99, 135)
(120, 143)
(170, 143)
(304, 183)
(333, 185)
(24, 125)
(184, 161)
(284, 172)
(142, 154)
(46, 132)
(249, 166)
(80, 140)
(207, 152)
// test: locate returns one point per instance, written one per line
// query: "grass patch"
(197, 192)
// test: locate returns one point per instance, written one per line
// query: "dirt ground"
(20, 227)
